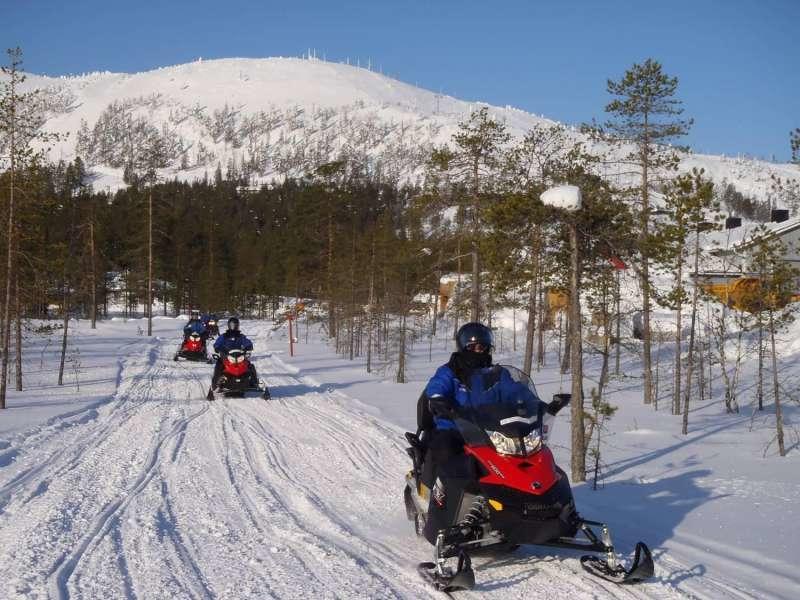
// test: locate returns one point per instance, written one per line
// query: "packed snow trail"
(159, 493)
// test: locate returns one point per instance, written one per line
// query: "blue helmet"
(474, 333)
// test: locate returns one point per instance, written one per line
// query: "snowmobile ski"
(444, 579)
(210, 394)
(642, 567)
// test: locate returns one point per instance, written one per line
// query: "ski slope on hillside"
(154, 492)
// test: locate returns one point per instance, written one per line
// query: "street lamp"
(568, 199)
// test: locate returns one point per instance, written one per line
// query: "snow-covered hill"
(283, 116)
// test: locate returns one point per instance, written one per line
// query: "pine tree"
(21, 120)
(644, 117)
(688, 200)
(776, 290)
(472, 165)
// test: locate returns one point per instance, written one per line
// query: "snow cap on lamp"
(566, 197)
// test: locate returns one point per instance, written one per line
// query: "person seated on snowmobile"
(448, 388)
(195, 325)
(232, 339)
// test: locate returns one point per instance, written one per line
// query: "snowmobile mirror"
(558, 402)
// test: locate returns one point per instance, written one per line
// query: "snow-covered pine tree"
(643, 120)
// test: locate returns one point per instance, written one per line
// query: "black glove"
(442, 407)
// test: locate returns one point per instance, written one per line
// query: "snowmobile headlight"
(504, 444)
(532, 442)
(524, 446)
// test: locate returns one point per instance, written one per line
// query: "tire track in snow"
(293, 502)
(102, 523)
(178, 558)
(60, 522)
(35, 442)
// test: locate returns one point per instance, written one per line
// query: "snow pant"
(441, 446)
(448, 474)
(218, 367)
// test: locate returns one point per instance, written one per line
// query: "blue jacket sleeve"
(441, 384)
(219, 344)
(247, 345)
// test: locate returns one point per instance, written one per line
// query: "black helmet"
(474, 333)
(194, 314)
(233, 324)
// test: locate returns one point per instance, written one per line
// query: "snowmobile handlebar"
(558, 402)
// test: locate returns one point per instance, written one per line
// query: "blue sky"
(738, 61)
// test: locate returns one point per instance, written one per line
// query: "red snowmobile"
(505, 489)
(193, 348)
(238, 377)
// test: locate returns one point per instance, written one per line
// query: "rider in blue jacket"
(195, 325)
(449, 387)
(232, 339)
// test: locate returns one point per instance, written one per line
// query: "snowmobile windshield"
(504, 410)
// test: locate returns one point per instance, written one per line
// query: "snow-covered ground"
(134, 486)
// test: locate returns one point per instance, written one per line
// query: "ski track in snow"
(159, 493)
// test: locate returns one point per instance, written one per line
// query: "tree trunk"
(530, 329)
(401, 362)
(64, 336)
(150, 261)
(18, 326)
(540, 354)
(9, 271)
(690, 362)
(93, 273)
(776, 390)
(514, 325)
(618, 323)
(676, 391)
(475, 309)
(760, 392)
(457, 294)
(645, 282)
(578, 462)
(10, 259)
(371, 315)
